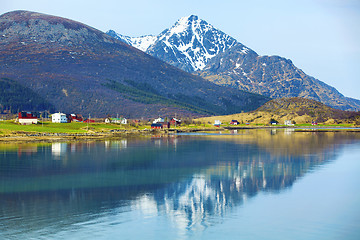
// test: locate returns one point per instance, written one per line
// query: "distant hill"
(77, 68)
(197, 47)
(298, 110)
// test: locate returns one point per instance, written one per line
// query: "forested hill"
(15, 97)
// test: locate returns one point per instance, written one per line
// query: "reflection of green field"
(8, 147)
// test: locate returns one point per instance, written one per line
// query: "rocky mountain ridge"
(199, 48)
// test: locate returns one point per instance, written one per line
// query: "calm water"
(247, 185)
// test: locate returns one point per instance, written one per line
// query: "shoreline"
(114, 134)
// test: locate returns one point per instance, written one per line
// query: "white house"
(159, 120)
(119, 120)
(124, 121)
(288, 123)
(59, 118)
(217, 123)
(116, 120)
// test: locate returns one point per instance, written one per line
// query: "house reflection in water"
(58, 149)
(121, 144)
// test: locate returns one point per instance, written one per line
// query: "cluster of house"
(66, 118)
(26, 118)
(160, 123)
(273, 122)
(218, 123)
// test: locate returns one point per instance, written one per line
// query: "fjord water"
(254, 184)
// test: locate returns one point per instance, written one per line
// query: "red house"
(89, 121)
(175, 121)
(156, 126)
(75, 117)
(26, 118)
(234, 122)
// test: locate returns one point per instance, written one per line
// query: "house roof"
(61, 114)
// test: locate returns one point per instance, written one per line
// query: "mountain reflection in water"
(189, 179)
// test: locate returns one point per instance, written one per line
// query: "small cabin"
(234, 122)
(116, 120)
(27, 118)
(217, 123)
(273, 122)
(288, 123)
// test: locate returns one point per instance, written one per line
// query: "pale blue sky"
(321, 37)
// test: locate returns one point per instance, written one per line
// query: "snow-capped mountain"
(194, 45)
(189, 44)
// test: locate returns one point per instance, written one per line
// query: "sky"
(321, 37)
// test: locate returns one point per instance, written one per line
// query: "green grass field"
(8, 127)
(324, 125)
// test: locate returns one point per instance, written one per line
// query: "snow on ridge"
(144, 42)
(119, 36)
(180, 26)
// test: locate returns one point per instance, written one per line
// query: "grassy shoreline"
(47, 131)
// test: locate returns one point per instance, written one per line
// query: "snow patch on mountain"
(142, 43)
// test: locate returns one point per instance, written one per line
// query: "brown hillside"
(298, 110)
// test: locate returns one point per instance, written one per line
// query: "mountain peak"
(193, 17)
(189, 23)
(189, 18)
(189, 44)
